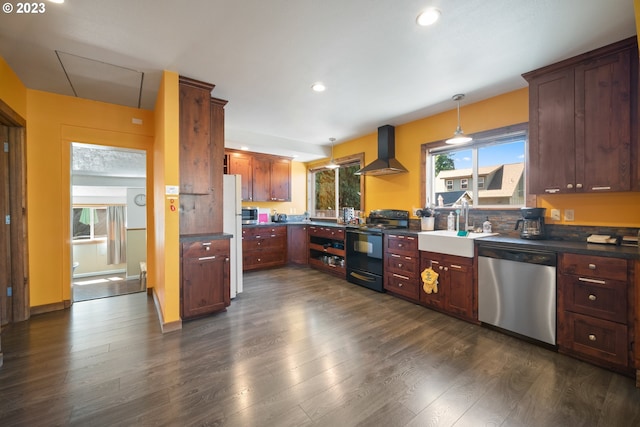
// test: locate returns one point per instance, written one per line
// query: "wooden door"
(298, 244)
(241, 164)
(5, 230)
(552, 148)
(205, 285)
(281, 180)
(603, 123)
(261, 179)
(436, 262)
(461, 298)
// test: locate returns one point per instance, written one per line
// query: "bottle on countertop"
(451, 222)
(486, 226)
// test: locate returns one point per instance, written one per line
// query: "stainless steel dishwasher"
(517, 290)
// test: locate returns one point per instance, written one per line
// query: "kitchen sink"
(448, 242)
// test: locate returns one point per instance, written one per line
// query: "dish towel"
(429, 280)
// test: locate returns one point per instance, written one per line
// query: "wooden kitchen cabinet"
(264, 246)
(265, 178)
(595, 313)
(582, 122)
(457, 290)
(402, 265)
(205, 277)
(327, 249)
(297, 244)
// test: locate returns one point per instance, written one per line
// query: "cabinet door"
(281, 180)
(297, 244)
(205, 285)
(603, 124)
(552, 133)
(261, 179)
(195, 138)
(436, 262)
(242, 165)
(461, 298)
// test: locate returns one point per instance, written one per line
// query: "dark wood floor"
(297, 348)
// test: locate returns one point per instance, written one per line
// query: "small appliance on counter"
(249, 215)
(532, 223)
(279, 217)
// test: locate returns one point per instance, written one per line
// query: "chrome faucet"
(465, 214)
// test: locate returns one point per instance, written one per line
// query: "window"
(89, 222)
(498, 156)
(333, 189)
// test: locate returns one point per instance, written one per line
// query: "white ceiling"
(378, 65)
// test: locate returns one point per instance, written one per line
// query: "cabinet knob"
(400, 265)
(592, 266)
(259, 260)
(399, 285)
(399, 245)
(578, 185)
(259, 243)
(592, 337)
(446, 269)
(592, 297)
(569, 186)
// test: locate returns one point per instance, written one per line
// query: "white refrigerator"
(232, 224)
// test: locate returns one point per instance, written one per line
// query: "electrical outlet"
(555, 214)
(568, 214)
(415, 211)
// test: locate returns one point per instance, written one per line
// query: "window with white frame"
(499, 156)
(89, 222)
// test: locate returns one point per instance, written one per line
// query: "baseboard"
(47, 308)
(98, 273)
(166, 327)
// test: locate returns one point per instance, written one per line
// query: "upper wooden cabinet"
(265, 178)
(583, 122)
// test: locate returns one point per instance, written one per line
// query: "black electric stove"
(365, 264)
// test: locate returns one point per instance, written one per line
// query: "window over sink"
(490, 171)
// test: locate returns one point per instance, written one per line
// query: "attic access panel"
(101, 81)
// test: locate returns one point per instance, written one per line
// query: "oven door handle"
(367, 232)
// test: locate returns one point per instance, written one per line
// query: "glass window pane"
(100, 225)
(451, 169)
(349, 187)
(502, 167)
(325, 184)
(81, 223)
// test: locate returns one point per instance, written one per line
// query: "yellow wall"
(12, 91)
(298, 202)
(53, 123)
(402, 191)
(166, 228)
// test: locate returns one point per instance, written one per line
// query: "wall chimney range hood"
(386, 163)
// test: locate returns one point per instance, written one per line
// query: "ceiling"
(263, 56)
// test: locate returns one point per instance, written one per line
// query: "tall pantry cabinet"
(205, 250)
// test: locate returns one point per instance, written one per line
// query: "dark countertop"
(199, 237)
(626, 252)
(317, 223)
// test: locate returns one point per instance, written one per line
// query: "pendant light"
(458, 137)
(332, 164)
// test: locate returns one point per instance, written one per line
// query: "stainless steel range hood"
(386, 163)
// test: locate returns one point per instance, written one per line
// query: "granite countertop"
(200, 237)
(626, 252)
(318, 223)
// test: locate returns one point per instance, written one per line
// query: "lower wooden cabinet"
(264, 246)
(595, 313)
(402, 263)
(327, 249)
(457, 291)
(205, 278)
(297, 244)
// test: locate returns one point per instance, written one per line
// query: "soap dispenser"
(451, 222)
(486, 226)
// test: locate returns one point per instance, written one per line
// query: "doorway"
(108, 221)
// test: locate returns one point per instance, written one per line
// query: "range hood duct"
(386, 163)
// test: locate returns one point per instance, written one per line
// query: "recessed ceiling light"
(428, 17)
(318, 87)
(57, 1)
(245, 148)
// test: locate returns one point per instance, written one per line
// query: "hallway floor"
(103, 286)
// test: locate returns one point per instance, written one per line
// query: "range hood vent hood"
(386, 163)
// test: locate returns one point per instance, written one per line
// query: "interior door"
(5, 230)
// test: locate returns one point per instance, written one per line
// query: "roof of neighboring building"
(503, 184)
(450, 197)
(511, 176)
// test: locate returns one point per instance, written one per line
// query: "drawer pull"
(598, 282)
(592, 337)
(600, 188)
(455, 266)
(400, 276)
(257, 237)
(592, 297)
(204, 258)
(206, 243)
(592, 266)
(395, 256)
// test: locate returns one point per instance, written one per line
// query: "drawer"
(263, 232)
(594, 266)
(401, 284)
(402, 243)
(602, 339)
(602, 298)
(327, 232)
(265, 258)
(258, 243)
(402, 263)
(205, 248)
